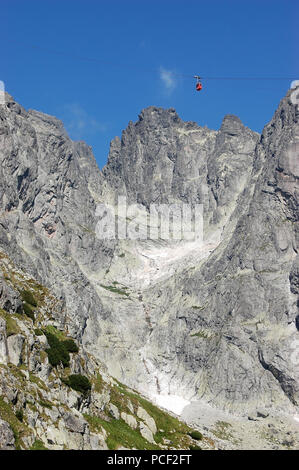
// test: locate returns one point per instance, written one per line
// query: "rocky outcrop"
(3, 342)
(7, 440)
(9, 299)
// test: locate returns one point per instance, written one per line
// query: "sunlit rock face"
(213, 320)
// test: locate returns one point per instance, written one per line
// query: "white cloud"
(79, 123)
(168, 79)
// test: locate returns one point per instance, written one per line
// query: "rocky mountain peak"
(45, 122)
(232, 125)
(154, 116)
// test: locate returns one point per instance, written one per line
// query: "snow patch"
(162, 262)
(172, 403)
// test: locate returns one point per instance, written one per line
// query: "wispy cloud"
(168, 80)
(79, 123)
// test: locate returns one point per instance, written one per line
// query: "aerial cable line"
(136, 67)
(248, 78)
(95, 60)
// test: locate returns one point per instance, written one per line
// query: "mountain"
(209, 324)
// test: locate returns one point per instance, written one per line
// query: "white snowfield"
(173, 403)
(160, 261)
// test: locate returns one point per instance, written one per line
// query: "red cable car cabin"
(198, 86)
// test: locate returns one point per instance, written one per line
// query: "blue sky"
(97, 64)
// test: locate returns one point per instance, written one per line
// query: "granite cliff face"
(214, 323)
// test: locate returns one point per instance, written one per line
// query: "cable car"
(198, 85)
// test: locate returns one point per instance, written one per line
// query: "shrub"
(12, 327)
(27, 309)
(28, 297)
(115, 290)
(54, 331)
(38, 445)
(57, 353)
(80, 383)
(20, 415)
(195, 435)
(38, 332)
(70, 345)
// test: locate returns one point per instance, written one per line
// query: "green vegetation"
(115, 290)
(78, 382)
(20, 415)
(38, 332)
(36, 380)
(119, 399)
(200, 307)
(98, 383)
(38, 445)
(196, 435)
(87, 229)
(60, 346)
(28, 297)
(29, 311)
(201, 334)
(46, 404)
(11, 324)
(174, 430)
(119, 434)
(54, 331)
(29, 303)
(18, 428)
(70, 345)
(17, 372)
(57, 352)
